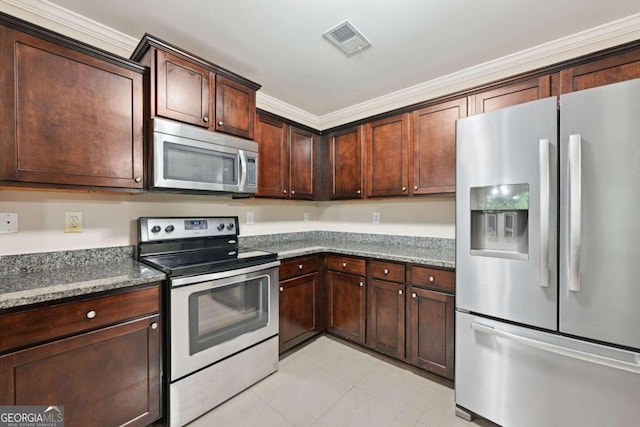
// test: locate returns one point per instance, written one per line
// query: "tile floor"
(328, 383)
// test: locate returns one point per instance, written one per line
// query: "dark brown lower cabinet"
(386, 320)
(300, 312)
(430, 337)
(346, 305)
(107, 377)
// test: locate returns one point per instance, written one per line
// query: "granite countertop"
(33, 278)
(418, 250)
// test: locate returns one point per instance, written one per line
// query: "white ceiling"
(279, 43)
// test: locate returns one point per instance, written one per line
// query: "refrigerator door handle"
(575, 210)
(553, 348)
(544, 149)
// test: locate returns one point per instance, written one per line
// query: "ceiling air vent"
(347, 38)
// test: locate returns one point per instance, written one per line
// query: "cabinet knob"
(386, 271)
(404, 188)
(414, 295)
(205, 119)
(361, 284)
(220, 123)
(284, 191)
(138, 179)
(344, 265)
(358, 192)
(293, 192)
(415, 187)
(300, 267)
(399, 291)
(154, 325)
(432, 279)
(281, 289)
(91, 314)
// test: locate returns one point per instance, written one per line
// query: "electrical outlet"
(73, 222)
(306, 217)
(249, 218)
(376, 217)
(8, 223)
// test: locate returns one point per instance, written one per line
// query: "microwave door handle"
(243, 170)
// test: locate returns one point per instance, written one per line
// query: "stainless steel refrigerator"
(548, 261)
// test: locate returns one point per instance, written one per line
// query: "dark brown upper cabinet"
(387, 156)
(507, 96)
(346, 164)
(193, 90)
(286, 160)
(434, 147)
(235, 107)
(605, 71)
(72, 116)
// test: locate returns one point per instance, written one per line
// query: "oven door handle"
(183, 281)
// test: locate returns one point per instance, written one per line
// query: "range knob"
(169, 228)
(155, 229)
(230, 226)
(220, 227)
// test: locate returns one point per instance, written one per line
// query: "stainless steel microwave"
(189, 159)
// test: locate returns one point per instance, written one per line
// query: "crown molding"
(608, 35)
(111, 39)
(281, 108)
(588, 41)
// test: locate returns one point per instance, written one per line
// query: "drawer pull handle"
(154, 325)
(386, 271)
(281, 289)
(344, 265)
(414, 295)
(432, 279)
(399, 291)
(91, 314)
(300, 266)
(361, 284)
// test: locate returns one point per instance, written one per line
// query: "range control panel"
(154, 229)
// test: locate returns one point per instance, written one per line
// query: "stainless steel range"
(221, 310)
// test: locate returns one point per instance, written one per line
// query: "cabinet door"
(345, 159)
(386, 321)
(299, 310)
(301, 164)
(599, 73)
(430, 338)
(182, 90)
(67, 117)
(109, 377)
(235, 107)
(346, 305)
(434, 147)
(273, 157)
(388, 156)
(514, 94)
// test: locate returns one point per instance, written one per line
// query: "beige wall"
(109, 219)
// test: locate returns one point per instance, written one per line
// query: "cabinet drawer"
(433, 278)
(33, 326)
(298, 266)
(391, 271)
(346, 265)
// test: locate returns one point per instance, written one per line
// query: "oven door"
(217, 315)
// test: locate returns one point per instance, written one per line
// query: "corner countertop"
(34, 278)
(418, 250)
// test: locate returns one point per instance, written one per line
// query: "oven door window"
(220, 314)
(185, 163)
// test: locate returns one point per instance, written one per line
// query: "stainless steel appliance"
(221, 310)
(187, 158)
(547, 232)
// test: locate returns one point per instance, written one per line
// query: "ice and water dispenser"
(500, 221)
